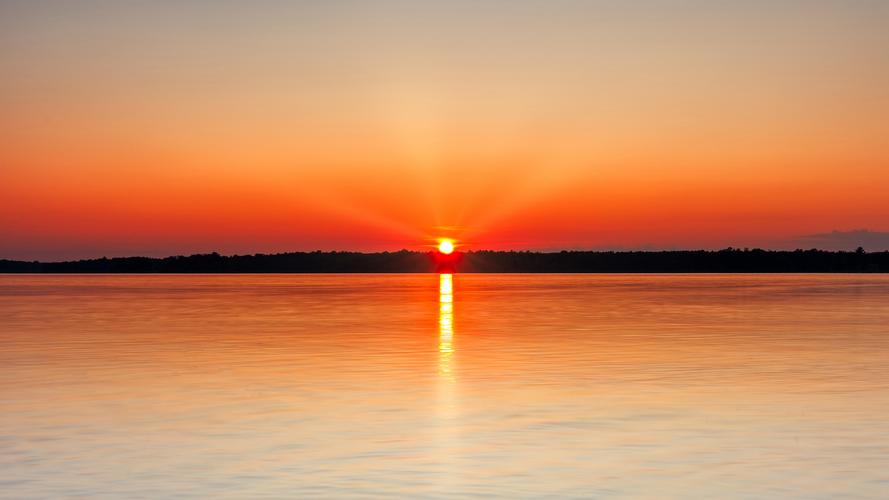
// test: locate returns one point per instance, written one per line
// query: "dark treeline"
(685, 261)
(698, 261)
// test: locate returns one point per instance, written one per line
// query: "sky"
(167, 127)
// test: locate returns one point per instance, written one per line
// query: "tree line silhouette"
(729, 260)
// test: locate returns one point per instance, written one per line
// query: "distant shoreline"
(683, 261)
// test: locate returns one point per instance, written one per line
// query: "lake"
(425, 386)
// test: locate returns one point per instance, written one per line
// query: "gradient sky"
(159, 128)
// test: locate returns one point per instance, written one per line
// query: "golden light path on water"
(447, 433)
(445, 320)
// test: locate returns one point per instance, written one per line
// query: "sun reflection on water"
(447, 414)
(445, 321)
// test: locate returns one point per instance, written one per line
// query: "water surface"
(313, 386)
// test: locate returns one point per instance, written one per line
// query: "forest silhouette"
(729, 260)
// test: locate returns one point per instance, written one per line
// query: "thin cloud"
(872, 241)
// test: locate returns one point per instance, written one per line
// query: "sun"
(446, 246)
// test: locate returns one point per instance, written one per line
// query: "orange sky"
(156, 128)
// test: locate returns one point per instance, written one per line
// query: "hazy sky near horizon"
(159, 128)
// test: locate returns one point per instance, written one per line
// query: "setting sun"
(446, 247)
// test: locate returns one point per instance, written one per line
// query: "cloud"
(872, 241)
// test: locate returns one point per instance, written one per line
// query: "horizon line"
(858, 249)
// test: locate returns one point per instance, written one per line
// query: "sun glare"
(446, 247)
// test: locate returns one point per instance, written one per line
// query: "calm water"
(428, 386)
